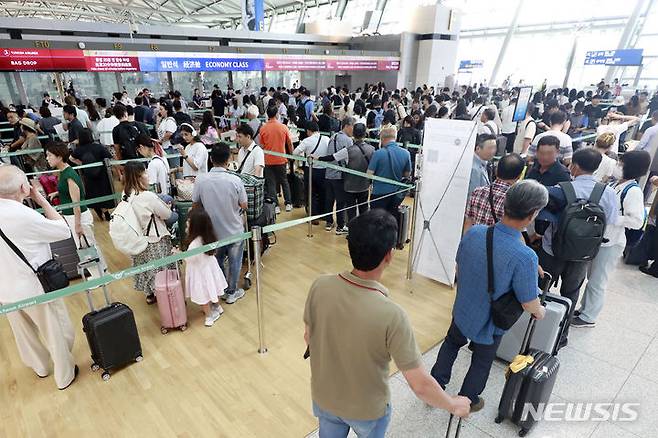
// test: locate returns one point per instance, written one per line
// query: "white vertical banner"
(447, 158)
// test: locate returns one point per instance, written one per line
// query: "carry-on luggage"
(111, 332)
(459, 426)
(529, 382)
(548, 331)
(171, 300)
(66, 252)
(403, 218)
(296, 183)
(183, 208)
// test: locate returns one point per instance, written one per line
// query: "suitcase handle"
(545, 283)
(81, 269)
(459, 426)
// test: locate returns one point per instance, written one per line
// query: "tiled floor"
(615, 362)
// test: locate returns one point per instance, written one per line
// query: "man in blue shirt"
(515, 269)
(485, 149)
(392, 162)
(584, 163)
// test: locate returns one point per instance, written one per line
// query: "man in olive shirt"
(353, 329)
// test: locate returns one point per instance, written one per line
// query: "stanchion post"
(309, 201)
(257, 238)
(110, 176)
(410, 261)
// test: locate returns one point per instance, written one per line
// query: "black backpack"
(129, 147)
(581, 226)
(300, 114)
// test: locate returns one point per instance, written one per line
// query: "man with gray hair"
(254, 122)
(43, 332)
(334, 187)
(392, 162)
(514, 269)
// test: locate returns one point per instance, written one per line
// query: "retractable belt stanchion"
(309, 201)
(414, 212)
(257, 236)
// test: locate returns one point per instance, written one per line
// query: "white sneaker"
(329, 227)
(217, 307)
(235, 296)
(277, 210)
(342, 231)
(288, 207)
(210, 319)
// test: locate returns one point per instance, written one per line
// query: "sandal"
(150, 299)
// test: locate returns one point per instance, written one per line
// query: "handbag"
(51, 274)
(89, 253)
(505, 310)
(184, 189)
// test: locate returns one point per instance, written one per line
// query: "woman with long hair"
(151, 213)
(209, 131)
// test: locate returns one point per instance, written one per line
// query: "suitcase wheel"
(523, 432)
(139, 359)
(498, 420)
(95, 367)
(164, 330)
(105, 376)
(183, 327)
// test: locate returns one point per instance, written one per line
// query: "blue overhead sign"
(201, 64)
(614, 57)
(470, 64)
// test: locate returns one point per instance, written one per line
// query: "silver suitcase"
(547, 331)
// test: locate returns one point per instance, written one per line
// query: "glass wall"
(274, 79)
(155, 81)
(212, 78)
(92, 85)
(8, 90)
(247, 81)
(37, 83)
(185, 82)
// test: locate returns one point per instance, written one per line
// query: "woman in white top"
(632, 215)
(166, 126)
(608, 169)
(195, 154)
(151, 213)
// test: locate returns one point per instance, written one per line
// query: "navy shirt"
(390, 162)
(515, 267)
(555, 174)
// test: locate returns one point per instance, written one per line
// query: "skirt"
(145, 281)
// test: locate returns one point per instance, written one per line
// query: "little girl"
(204, 280)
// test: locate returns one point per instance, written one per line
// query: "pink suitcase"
(171, 300)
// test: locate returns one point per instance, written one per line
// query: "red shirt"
(274, 136)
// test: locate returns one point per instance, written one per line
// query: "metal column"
(626, 35)
(170, 81)
(570, 61)
(21, 88)
(340, 9)
(300, 19)
(257, 237)
(503, 48)
(309, 200)
(119, 79)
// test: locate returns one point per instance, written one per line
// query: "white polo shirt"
(158, 172)
(255, 158)
(316, 144)
(32, 233)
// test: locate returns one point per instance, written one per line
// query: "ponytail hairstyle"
(605, 140)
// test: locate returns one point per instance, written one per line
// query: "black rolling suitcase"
(529, 383)
(111, 333)
(296, 183)
(403, 218)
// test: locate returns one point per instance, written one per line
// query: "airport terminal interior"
(329, 218)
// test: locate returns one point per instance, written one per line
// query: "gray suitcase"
(66, 253)
(546, 334)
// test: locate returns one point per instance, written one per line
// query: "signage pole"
(257, 237)
(309, 201)
(412, 247)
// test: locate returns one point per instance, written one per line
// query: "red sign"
(295, 64)
(25, 59)
(68, 60)
(351, 64)
(112, 63)
(388, 65)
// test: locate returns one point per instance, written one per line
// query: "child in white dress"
(204, 280)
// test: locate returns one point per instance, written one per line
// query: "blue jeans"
(167, 199)
(332, 426)
(233, 253)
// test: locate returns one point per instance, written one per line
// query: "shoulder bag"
(51, 274)
(405, 180)
(505, 310)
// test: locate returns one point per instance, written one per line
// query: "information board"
(447, 158)
(470, 64)
(614, 57)
(521, 107)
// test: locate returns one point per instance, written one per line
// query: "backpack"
(501, 142)
(379, 118)
(261, 106)
(300, 113)
(125, 230)
(581, 226)
(129, 148)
